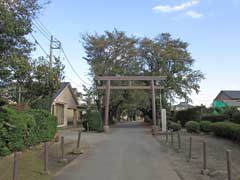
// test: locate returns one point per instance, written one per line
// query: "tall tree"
(16, 65)
(15, 23)
(170, 57)
(113, 53)
(116, 53)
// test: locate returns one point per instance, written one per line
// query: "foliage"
(16, 22)
(21, 130)
(2, 102)
(227, 130)
(12, 128)
(214, 117)
(229, 111)
(94, 121)
(167, 56)
(188, 115)
(205, 126)
(46, 125)
(116, 53)
(174, 126)
(43, 103)
(236, 118)
(192, 127)
(17, 69)
(44, 81)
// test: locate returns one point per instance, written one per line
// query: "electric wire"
(46, 33)
(75, 72)
(78, 85)
(43, 26)
(36, 41)
(41, 31)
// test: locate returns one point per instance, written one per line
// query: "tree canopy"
(17, 68)
(116, 53)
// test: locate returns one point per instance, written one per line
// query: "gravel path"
(216, 156)
(128, 153)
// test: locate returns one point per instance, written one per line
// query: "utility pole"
(19, 92)
(51, 52)
(54, 44)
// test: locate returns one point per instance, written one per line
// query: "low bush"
(227, 130)
(174, 126)
(192, 127)
(214, 118)
(205, 126)
(21, 130)
(45, 127)
(94, 120)
(236, 118)
(12, 130)
(188, 115)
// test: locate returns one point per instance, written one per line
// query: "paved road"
(129, 153)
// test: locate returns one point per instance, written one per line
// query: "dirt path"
(216, 156)
(128, 153)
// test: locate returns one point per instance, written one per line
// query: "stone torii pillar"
(153, 105)
(107, 99)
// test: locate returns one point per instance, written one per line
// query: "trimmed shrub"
(188, 115)
(94, 120)
(174, 126)
(236, 118)
(214, 118)
(11, 131)
(21, 130)
(46, 125)
(44, 103)
(192, 127)
(227, 130)
(205, 126)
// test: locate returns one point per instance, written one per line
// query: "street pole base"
(154, 130)
(77, 151)
(106, 129)
(205, 172)
(63, 161)
(45, 173)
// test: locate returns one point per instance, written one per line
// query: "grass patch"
(30, 166)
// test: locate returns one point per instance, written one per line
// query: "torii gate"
(108, 88)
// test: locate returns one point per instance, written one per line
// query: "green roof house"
(227, 98)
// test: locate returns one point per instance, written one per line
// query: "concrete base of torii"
(106, 129)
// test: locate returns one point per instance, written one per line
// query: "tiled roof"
(63, 85)
(232, 94)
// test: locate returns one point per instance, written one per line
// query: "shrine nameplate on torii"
(108, 88)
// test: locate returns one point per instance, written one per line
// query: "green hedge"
(94, 120)
(21, 130)
(227, 130)
(174, 126)
(236, 118)
(46, 125)
(192, 127)
(214, 118)
(188, 115)
(205, 126)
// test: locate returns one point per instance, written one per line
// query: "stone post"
(164, 120)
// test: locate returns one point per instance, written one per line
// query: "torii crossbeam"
(108, 88)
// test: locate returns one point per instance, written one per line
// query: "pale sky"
(211, 27)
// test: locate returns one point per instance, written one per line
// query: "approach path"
(129, 153)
